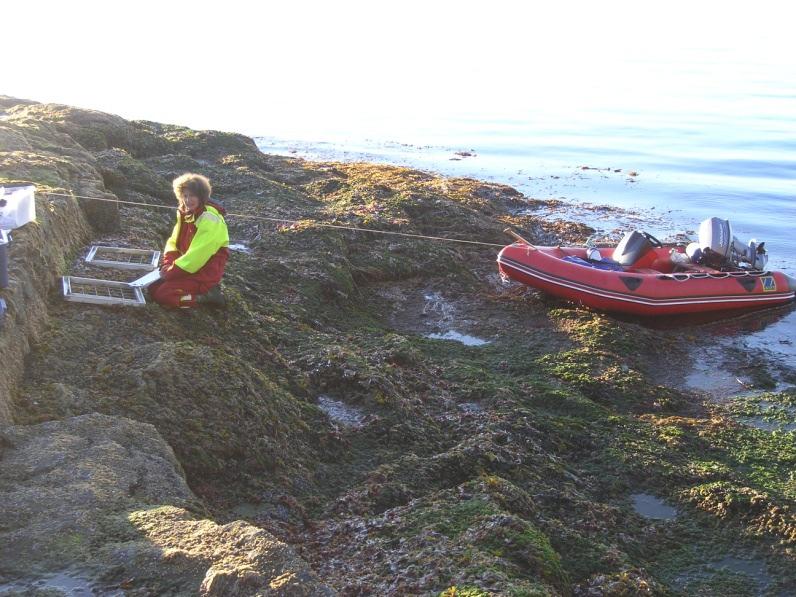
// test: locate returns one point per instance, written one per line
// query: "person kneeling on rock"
(196, 252)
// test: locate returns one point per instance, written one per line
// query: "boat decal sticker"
(769, 284)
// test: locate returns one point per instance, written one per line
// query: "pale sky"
(284, 67)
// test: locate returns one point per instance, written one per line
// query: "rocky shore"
(371, 414)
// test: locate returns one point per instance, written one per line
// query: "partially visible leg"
(176, 293)
(213, 297)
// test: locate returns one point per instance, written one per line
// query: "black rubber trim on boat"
(748, 283)
(631, 283)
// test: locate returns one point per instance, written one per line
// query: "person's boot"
(212, 297)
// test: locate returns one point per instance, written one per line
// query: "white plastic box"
(17, 206)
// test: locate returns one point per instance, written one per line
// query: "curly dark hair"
(195, 184)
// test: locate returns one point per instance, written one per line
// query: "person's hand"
(169, 258)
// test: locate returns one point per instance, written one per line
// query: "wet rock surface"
(341, 413)
(60, 479)
(81, 514)
(427, 466)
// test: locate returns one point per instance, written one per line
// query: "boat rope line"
(289, 221)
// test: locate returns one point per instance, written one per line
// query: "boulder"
(83, 499)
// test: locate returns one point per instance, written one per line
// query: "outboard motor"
(719, 248)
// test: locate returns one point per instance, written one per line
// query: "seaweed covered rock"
(59, 480)
(197, 144)
(40, 250)
(93, 130)
(130, 178)
(224, 418)
(759, 512)
(463, 536)
(83, 495)
(234, 559)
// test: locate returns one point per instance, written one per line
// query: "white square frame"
(135, 259)
(114, 293)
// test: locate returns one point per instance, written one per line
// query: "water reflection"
(465, 339)
(649, 506)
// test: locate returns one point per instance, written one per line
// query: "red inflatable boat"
(654, 284)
